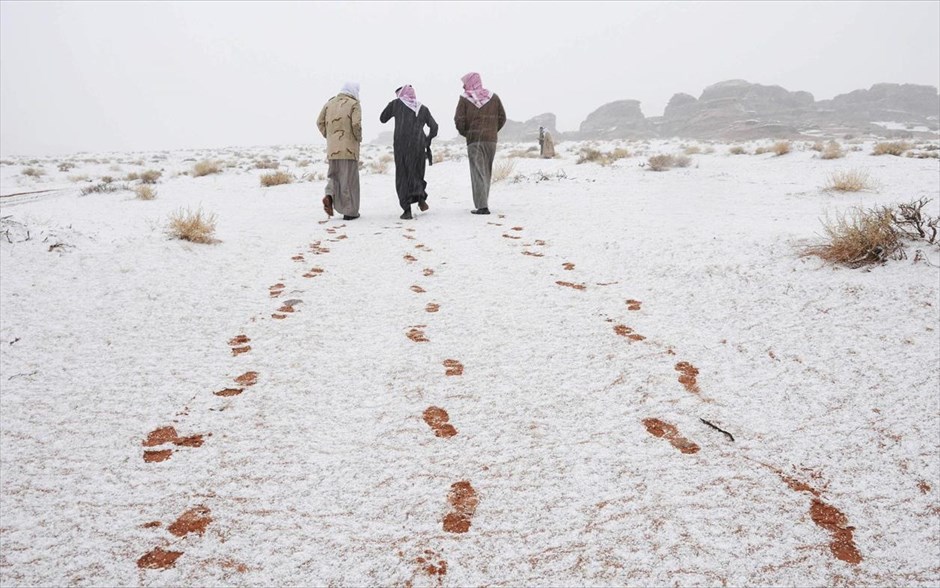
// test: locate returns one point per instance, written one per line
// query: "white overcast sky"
(91, 76)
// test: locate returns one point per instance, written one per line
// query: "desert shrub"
(33, 172)
(737, 150)
(762, 150)
(150, 176)
(853, 180)
(103, 188)
(832, 151)
(195, 226)
(923, 154)
(66, 166)
(817, 146)
(617, 154)
(145, 192)
(891, 148)
(131, 176)
(661, 162)
(275, 179)
(79, 178)
(590, 155)
(910, 220)
(859, 237)
(503, 169)
(692, 150)
(267, 164)
(681, 161)
(205, 168)
(781, 148)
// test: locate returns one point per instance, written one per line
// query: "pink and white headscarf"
(474, 90)
(407, 95)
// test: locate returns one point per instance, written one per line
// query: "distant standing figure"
(546, 144)
(411, 147)
(340, 121)
(479, 118)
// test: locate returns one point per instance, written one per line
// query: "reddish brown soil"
(570, 285)
(240, 350)
(278, 286)
(664, 430)
(160, 436)
(409, 237)
(432, 307)
(418, 289)
(568, 265)
(159, 559)
(539, 242)
(531, 254)
(830, 518)
(276, 293)
(633, 304)
(341, 237)
(191, 441)
(409, 258)
(517, 228)
(298, 258)
(247, 379)
(464, 500)
(157, 456)
(636, 337)
(286, 308)
(239, 340)
(428, 272)
(797, 485)
(924, 487)
(316, 270)
(431, 568)
(511, 236)
(688, 376)
(229, 392)
(194, 520)
(454, 367)
(417, 335)
(279, 316)
(152, 524)
(317, 249)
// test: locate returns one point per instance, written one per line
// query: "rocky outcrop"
(519, 132)
(902, 103)
(622, 119)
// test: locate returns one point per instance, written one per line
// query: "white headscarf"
(351, 88)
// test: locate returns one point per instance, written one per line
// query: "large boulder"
(902, 103)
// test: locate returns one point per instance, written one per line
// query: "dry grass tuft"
(589, 154)
(853, 180)
(661, 162)
(896, 148)
(681, 161)
(150, 176)
(206, 167)
(145, 192)
(266, 164)
(34, 172)
(503, 169)
(832, 151)
(79, 178)
(194, 226)
(859, 237)
(692, 150)
(276, 178)
(737, 150)
(66, 166)
(781, 148)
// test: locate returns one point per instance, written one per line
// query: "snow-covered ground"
(325, 472)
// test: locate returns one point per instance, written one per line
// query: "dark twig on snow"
(32, 373)
(720, 430)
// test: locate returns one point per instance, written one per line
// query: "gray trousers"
(342, 183)
(481, 157)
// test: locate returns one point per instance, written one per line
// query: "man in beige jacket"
(340, 121)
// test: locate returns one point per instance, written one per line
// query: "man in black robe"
(411, 147)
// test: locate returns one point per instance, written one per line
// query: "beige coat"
(340, 122)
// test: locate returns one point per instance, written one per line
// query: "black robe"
(411, 149)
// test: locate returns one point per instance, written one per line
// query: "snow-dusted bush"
(194, 226)
(276, 178)
(891, 148)
(661, 162)
(150, 176)
(503, 169)
(853, 180)
(781, 148)
(145, 192)
(205, 168)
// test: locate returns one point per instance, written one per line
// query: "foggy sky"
(128, 76)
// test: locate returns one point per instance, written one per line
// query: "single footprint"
(437, 418)
(409, 258)
(229, 392)
(570, 285)
(511, 236)
(517, 228)
(625, 331)
(194, 520)
(418, 289)
(247, 379)
(463, 500)
(453, 367)
(432, 307)
(633, 304)
(688, 376)
(532, 254)
(661, 429)
(298, 257)
(428, 272)
(158, 559)
(417, 335)
(568, 266)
